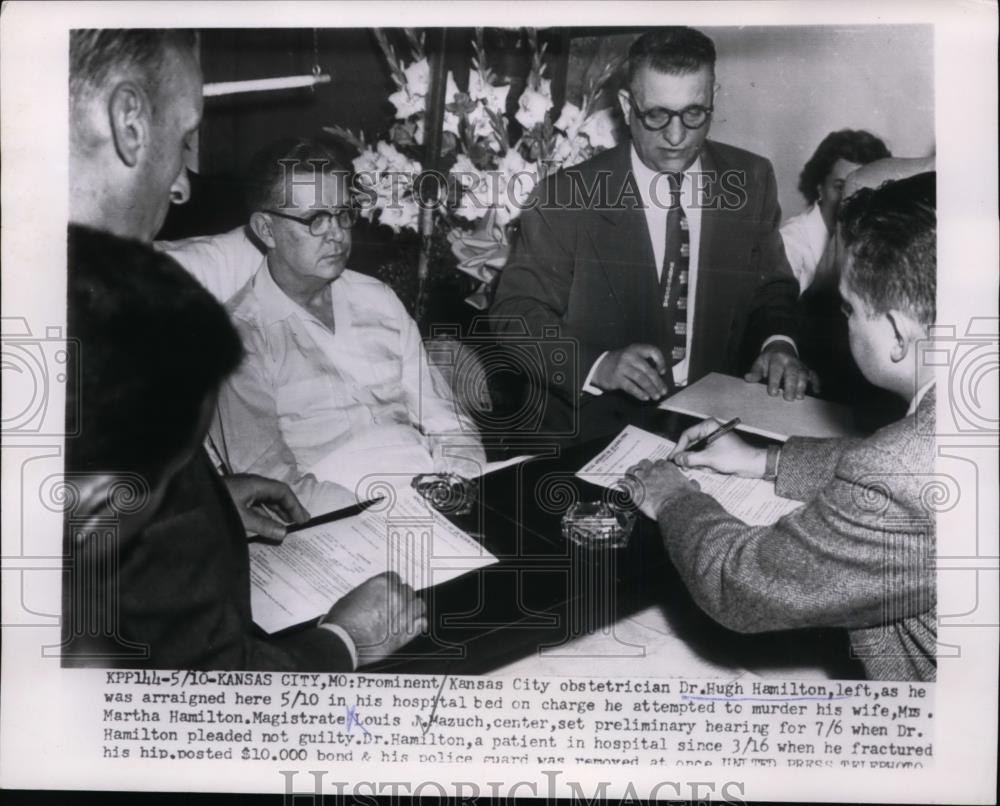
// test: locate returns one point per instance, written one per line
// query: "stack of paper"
(725, 397)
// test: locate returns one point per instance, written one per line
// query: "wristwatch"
(773, 457)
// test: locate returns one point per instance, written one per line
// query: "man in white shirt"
(336, 386)
(658, 261)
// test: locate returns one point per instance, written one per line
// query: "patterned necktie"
(674, 275)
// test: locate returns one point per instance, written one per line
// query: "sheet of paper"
(725, 397)
(300, 579)
(753, 501)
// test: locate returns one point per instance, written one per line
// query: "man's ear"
(906, 332)
(260, 225)
(130, 110)
(623, 102)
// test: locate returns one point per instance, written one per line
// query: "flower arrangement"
(489, 174)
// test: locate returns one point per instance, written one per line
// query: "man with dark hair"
(183, 586)
(337, 385)
(664, 265)
(860, 553)
(806, 235)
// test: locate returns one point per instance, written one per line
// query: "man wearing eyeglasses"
(336, 385)
(665, 265)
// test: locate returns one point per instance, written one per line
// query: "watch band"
(773, 457)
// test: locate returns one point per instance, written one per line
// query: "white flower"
(569, 119)
(476, 197)
(480, 121)
(395, 160)
(402, 214)
(367, 163)
(600, 129)
(494, 97)
(533, 104)
(418, 77)
(519, 179)
(406, 103)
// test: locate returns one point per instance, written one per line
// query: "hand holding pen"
(714, 445)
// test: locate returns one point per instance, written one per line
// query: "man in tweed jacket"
(859, 554)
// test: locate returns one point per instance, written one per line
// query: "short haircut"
(267, 175)
(890, 240)
(852, 145)
(153, 346)
(672, 49)
(96, 55)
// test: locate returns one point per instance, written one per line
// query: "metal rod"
(264, 84)
(433, 123)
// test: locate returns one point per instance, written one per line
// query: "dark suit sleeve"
(771, 310)
(312, 650)
(534, 291)
(839, 561)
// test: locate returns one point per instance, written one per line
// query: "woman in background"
(822, 182)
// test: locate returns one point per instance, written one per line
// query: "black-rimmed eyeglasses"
(319, 223)
(658, 118)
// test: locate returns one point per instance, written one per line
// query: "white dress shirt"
(805, 238)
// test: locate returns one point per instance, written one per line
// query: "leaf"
(347, 136)
(396, 71)
(416, 43)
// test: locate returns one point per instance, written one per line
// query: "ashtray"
(597, 524)
(446, 492)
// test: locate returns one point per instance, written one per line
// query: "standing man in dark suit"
(660, 258)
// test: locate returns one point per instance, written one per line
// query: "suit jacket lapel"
(620, 239)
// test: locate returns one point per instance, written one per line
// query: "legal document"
(753, 501)
(300, 579)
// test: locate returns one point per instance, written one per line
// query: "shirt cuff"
(588, 384)
(343, 635)
(772, 339)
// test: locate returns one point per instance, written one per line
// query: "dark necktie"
(674, 275)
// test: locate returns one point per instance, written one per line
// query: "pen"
(704, 442)
(336, 515)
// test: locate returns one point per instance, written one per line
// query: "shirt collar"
(646, 176)
(921, 392)
(275, 304)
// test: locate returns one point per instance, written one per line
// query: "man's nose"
(675, 132)
(180, 190)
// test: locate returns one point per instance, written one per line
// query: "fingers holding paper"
(381, 615)
(654, 484)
